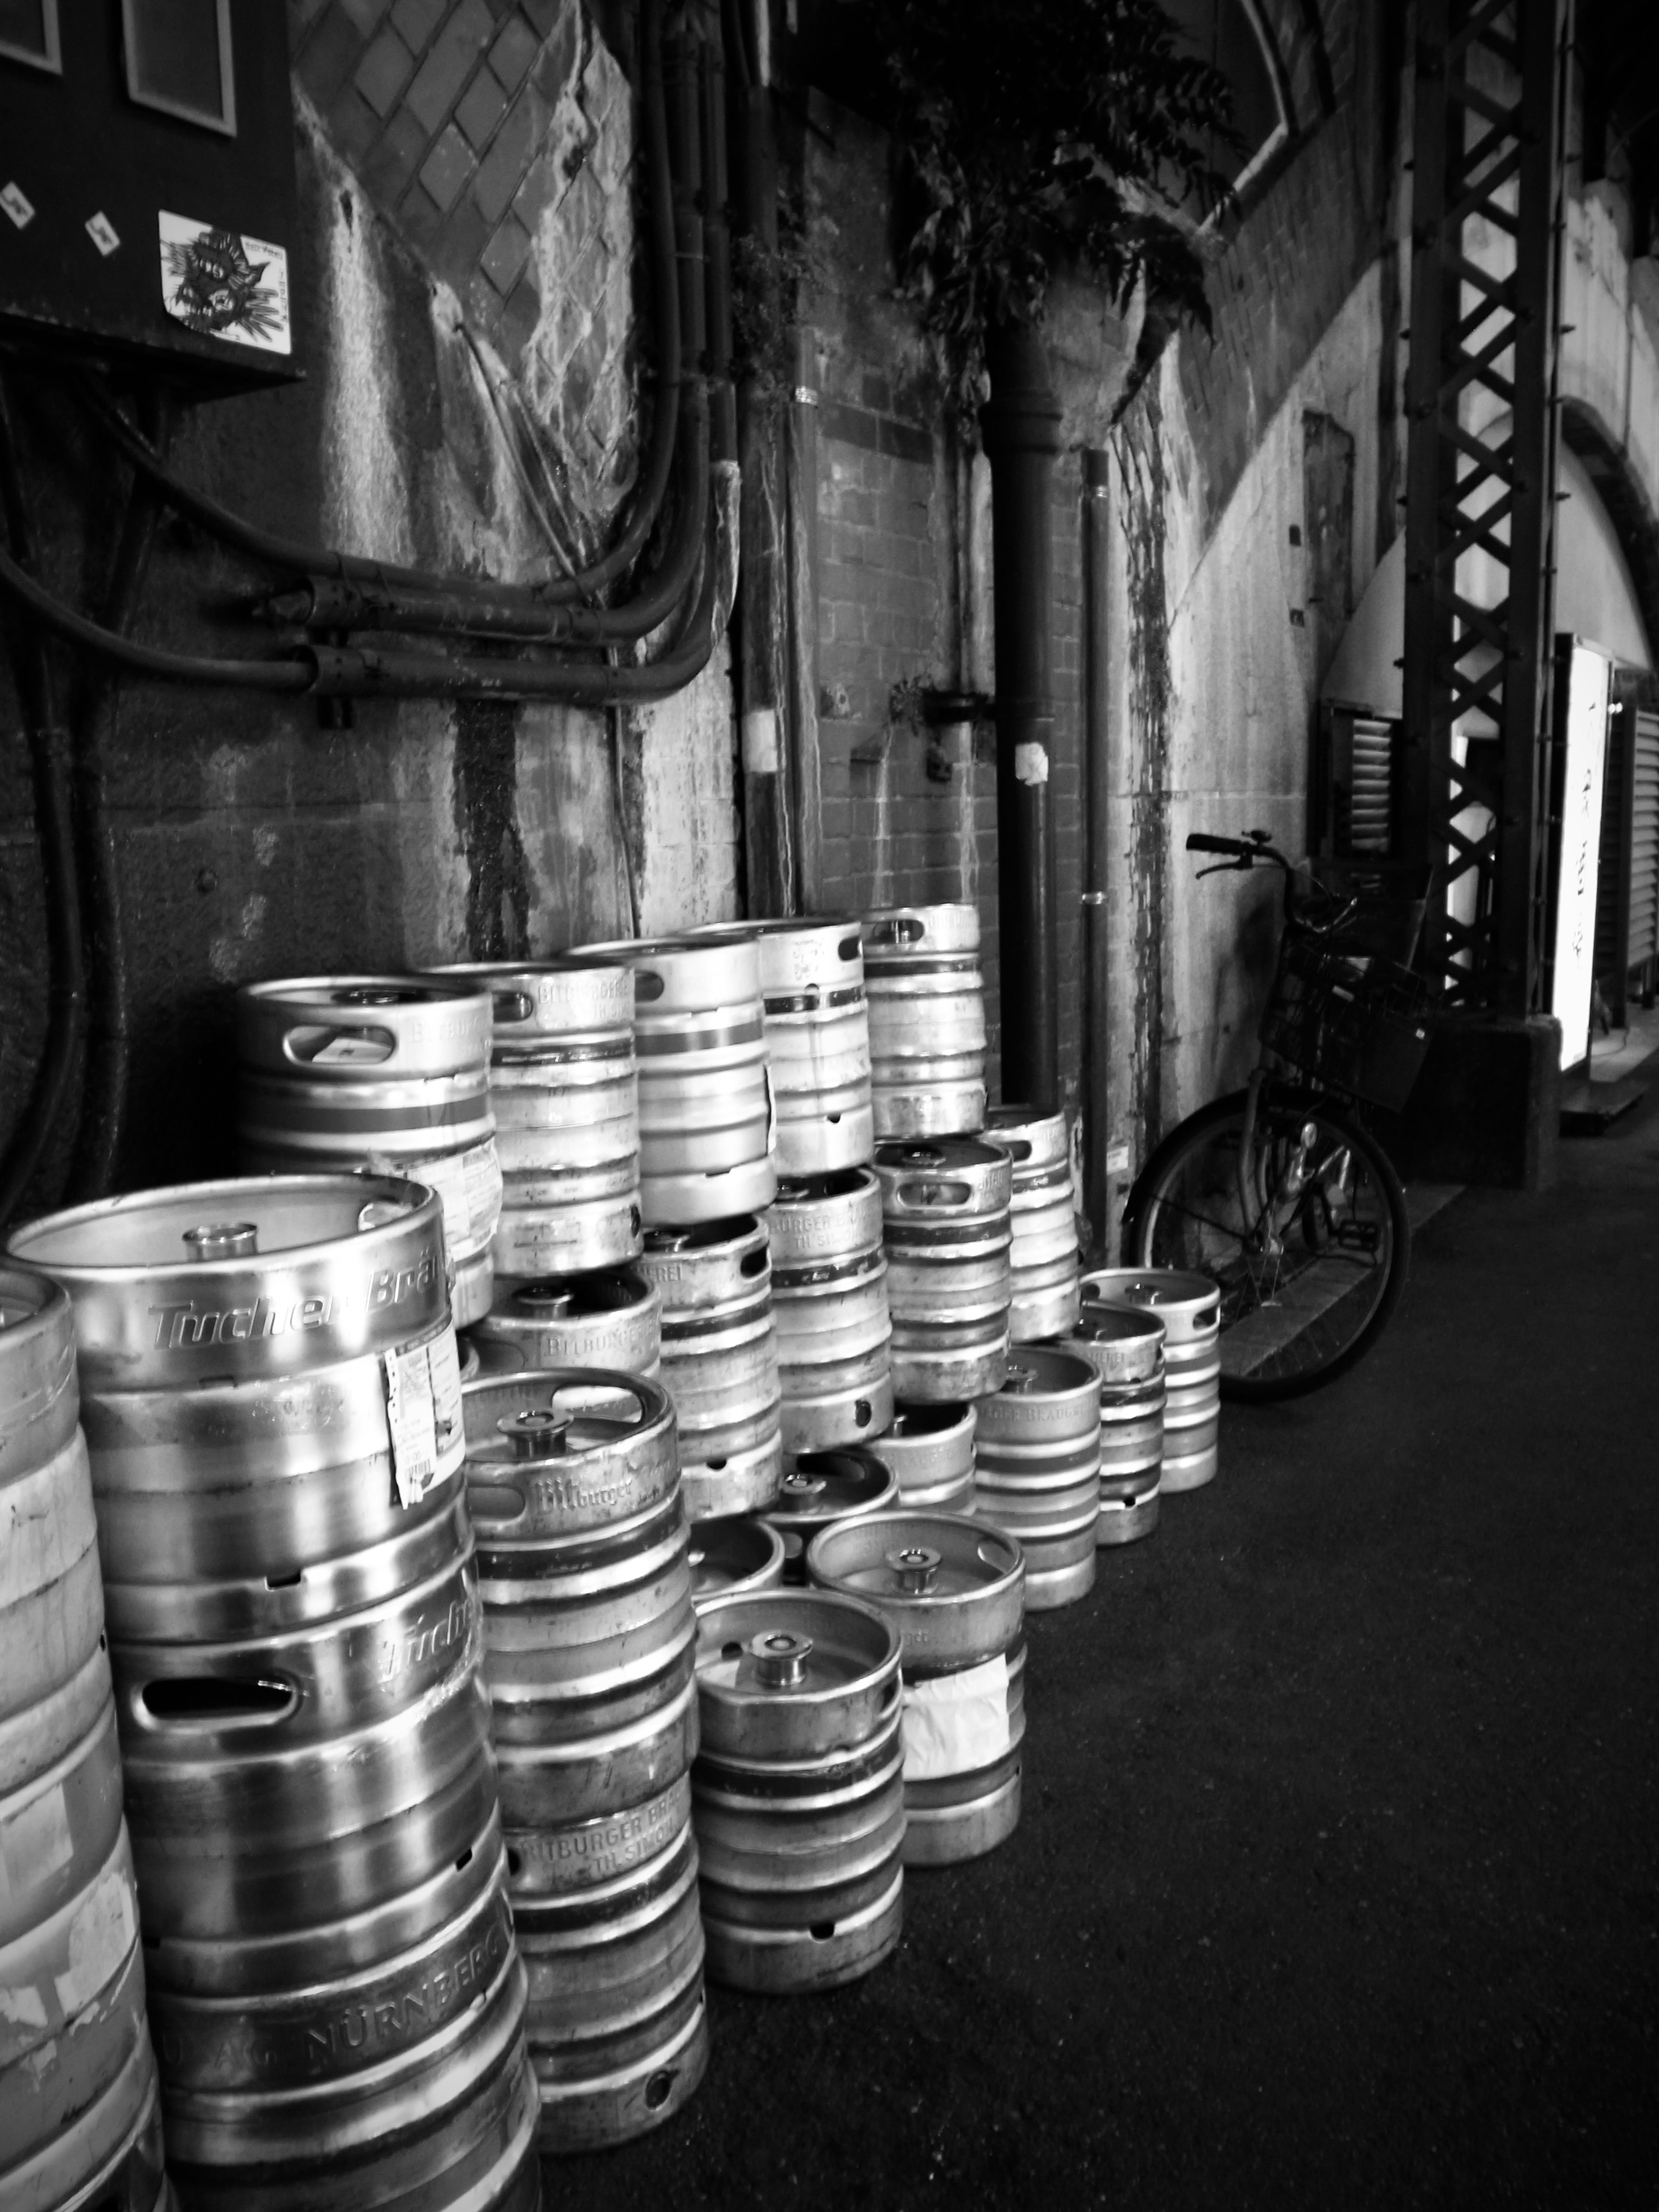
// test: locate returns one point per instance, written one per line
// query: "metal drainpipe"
(1022, 437)
(1096, 1101)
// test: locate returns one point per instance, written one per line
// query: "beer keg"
(1128, 1508)
(822, 1487)
(817, 1037)
(1124, 1344)
(79, 2120)
(385, 1072)
(1043, 1258)
(1036, 1472)
(797, 1793)
(565, 1100)
(945, 1228)
(733, 1555)
(926, 1001)
(719, 1361)
(1189, 1306)
(271, 1398)
(954, 1591)
(705, 1101)
(610, 1319)
(930, 1451)
(829, 1309)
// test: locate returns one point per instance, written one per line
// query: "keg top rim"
(29, 1301)
(737, 1546)
(1056, 1371)
(920, 1155)
(1149, 1286)
(830, 1486)
(910, 1420)
(976, 1562)
(1115, 1319)
(852, 1646)
(589, 1399)
(424, 987)
(816, 1190)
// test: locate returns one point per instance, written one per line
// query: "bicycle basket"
(1357, 1030)
(1391, 903)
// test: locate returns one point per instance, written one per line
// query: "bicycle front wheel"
(1308, 1236)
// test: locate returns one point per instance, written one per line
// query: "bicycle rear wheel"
(1308, 1277)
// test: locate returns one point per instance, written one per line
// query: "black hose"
(149, 659)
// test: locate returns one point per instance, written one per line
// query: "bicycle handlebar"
(1245, 852)
(1199, 841)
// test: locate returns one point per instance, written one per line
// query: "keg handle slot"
(1017, 1148)
(780, 1657)
(850, 947)
(495, 1504)
(512, 1006)
(648, 986)
(924, 1194)
(208, 1702)
(754, 1263)
(327, 1044)
(916, 1567)
(898, 929)
(222, 1240)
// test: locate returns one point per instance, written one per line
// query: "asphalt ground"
(1337, 1883)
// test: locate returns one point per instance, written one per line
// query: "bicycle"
(1278, 1191)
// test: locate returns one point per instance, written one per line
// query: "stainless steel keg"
(797, 1794)
(1189, 1306)
(829, 1309)
(720, 1362)
(1044, 1255)
(79, 2120)
(1037, 1470)
(954, 1589)
(945, 1228)
(705, 1100)
(385, 1072)
(565, 1100)
(733, 1556)
(930, 1450)
(1124, 1344)
(817, 1037)
(926, 997)
(271, 1396)
(1128, 1508)
(822, 1487)
(611, 1319)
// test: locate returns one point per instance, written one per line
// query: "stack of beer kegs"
(1189, 1307)
(271, 1393)
(386, 1074)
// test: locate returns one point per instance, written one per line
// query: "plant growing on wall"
(1037, 131)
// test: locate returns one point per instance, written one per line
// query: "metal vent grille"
(1644, 842)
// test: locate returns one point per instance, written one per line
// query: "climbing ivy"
(1034, 132)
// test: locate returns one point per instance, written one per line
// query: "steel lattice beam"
(1487, 216)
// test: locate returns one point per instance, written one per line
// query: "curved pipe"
(148, 659)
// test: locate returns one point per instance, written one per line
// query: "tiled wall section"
(495, 136)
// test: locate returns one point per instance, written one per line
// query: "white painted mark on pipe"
(760, 741)
(1030, 763)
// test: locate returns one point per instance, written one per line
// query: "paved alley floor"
(1338, 1880)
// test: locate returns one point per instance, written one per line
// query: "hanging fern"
(1034, 132)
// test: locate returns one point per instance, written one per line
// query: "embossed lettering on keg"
(719, 1361)
(1189, 1306)
(954, 1589)
(829, 1309)
(705, 1101)
(733, 1556)
(273, 1405)
(1037, 1470)
(1044, 1255)
(946, 1231)
(822, 1487)
(566, 1098)
(817, 1037)
(798, 1794)
(612, 1319)
(79, 2117)
(930, 1451)
(926, 1002)
(387, 1072)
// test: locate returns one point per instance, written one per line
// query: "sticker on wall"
(103, 233)
(223, 285)
(17, 203)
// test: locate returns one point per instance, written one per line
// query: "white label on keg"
(103, 1931)
(423, 1415)
(957, 1724)
(483, 1191)
(35, 1842)
(468, 1186)
(348, 1051)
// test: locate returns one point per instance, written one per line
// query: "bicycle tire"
(1161, 1230)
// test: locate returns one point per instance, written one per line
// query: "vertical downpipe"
(1096, 1100)
(1022, 436)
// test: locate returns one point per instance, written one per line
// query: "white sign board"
(1578, 847)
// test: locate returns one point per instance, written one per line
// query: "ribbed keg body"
(565, 1097)
(829, 1309)
(818, 1038)
(1043, 1258)
(1037, 1470)
(385, 1072)
(720, 1362)
(954, 1591)
(271, 1397)
(797, 1794)
(945, 1231)
(819, 1488)
(572, 1479)
(612, 1319)
(705, 1106)
(1124, 1344)
(930, 1452)
(928, 1038)
(1189, 1306)
(80, 2119)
